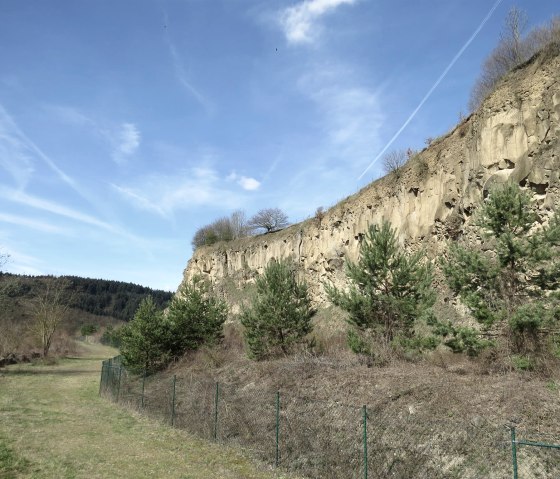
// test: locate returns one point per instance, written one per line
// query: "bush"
(222, 229)
(390, 290)
(145, 341)
(523, 363)
(88, 329)
(195, 317)
(512, 286)
(281, 312)
(394, 161)
(111, 337)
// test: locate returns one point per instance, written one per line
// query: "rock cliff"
(514, 136)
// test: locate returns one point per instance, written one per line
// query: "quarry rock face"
(514, 136)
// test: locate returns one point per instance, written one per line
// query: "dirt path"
(54, 425)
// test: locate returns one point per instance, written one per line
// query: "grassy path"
(54, 425)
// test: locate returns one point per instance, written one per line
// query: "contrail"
(434, 86)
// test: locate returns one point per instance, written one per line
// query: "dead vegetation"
(443, 416)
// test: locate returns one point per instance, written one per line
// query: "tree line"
(237, 225)
(510, 284)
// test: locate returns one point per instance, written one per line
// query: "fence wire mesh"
(537, 455)
(330, 440)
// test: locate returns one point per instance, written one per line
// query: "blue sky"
(125, 125)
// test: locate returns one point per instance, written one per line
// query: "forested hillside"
(91, 305)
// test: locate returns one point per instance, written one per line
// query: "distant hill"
(97, 303)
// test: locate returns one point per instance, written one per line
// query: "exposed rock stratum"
(514, 136)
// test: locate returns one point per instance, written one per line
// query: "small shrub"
(394, 161)
(281, 312)
(422, 166)
(522, 363)
(88, 329)
(319, 215)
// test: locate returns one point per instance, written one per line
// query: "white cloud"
(300, 21)
(246, 182)
(127, 141)
(164, 194)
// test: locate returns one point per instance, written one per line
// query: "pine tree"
(281, 312)
(196, 317)
(510, 285)
(145, 341)
(390, 290)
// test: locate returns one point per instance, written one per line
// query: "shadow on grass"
(45, 370)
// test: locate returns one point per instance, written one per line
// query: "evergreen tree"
(511, 284)
(390, 289)
(145, 341)
(195, 316)
(281, 312)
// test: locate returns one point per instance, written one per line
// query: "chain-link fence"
(328, 439)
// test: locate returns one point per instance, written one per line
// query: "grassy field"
(54, 425)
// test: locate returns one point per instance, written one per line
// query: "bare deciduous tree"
(223, 229)
(269, 219)
(50, 309)
(512, 50)
(394, 161)
(238, 222)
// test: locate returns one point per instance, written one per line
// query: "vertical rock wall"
(513, 137)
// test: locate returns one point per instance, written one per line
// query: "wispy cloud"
(123, 138)
(178, 66)
(195, 187)
(352, 113)
(246, 182)
(300, 22)
(21, 263)
(31, 223)
(126, 141)
(18, 151)
(35, 202)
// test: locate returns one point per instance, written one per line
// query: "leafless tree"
(512, 50)
(49, 311)
(226, 228)
(269, 219)
(238, 221)
(394, 161)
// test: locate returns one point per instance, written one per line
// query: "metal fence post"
(173, 401)
(143, 388)
(514, 452)
(119, 384)
(365, 442)
(277, 460)
(101, 378)
(216, 399)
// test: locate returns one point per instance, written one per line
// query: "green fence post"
(173, 401)
(216, 399)
(143, 388)
(365, 441)
(119, 384)
(101, 378)
(277, 461)
(514, 452)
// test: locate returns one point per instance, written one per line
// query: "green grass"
(54, 425)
